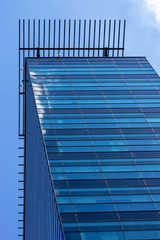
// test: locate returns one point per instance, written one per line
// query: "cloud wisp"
(154, 7)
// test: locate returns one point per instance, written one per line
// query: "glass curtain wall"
(100, 121)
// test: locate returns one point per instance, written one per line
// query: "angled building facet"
(98, 131)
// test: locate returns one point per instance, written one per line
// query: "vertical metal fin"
(59, 37)
(28, 37)
(23, 45)
(124, 32)
(54, 37)
(109, 35)
(34, 36)
(19, 78)
(74, 38)
(44, 34)
(84, 37)
(79, 37)
(114, 33)
(104, 34)
(49, 36)
(89, 36)
(64, 36)
(119, 32)
(39, 32)
(94, 35)
(69, 33)
(99, 36)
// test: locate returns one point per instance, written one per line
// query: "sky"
(142, 39)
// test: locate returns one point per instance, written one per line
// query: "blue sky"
(142, 39)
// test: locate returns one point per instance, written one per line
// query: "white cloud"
(154, 7)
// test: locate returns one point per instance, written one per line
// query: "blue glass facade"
(100, 123)
(40, 203)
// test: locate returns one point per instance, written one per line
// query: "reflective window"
(100, 121)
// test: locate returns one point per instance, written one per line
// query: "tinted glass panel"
(100, 124)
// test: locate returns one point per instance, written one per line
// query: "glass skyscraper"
(92, 149)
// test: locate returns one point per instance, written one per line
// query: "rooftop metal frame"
(55, 39)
